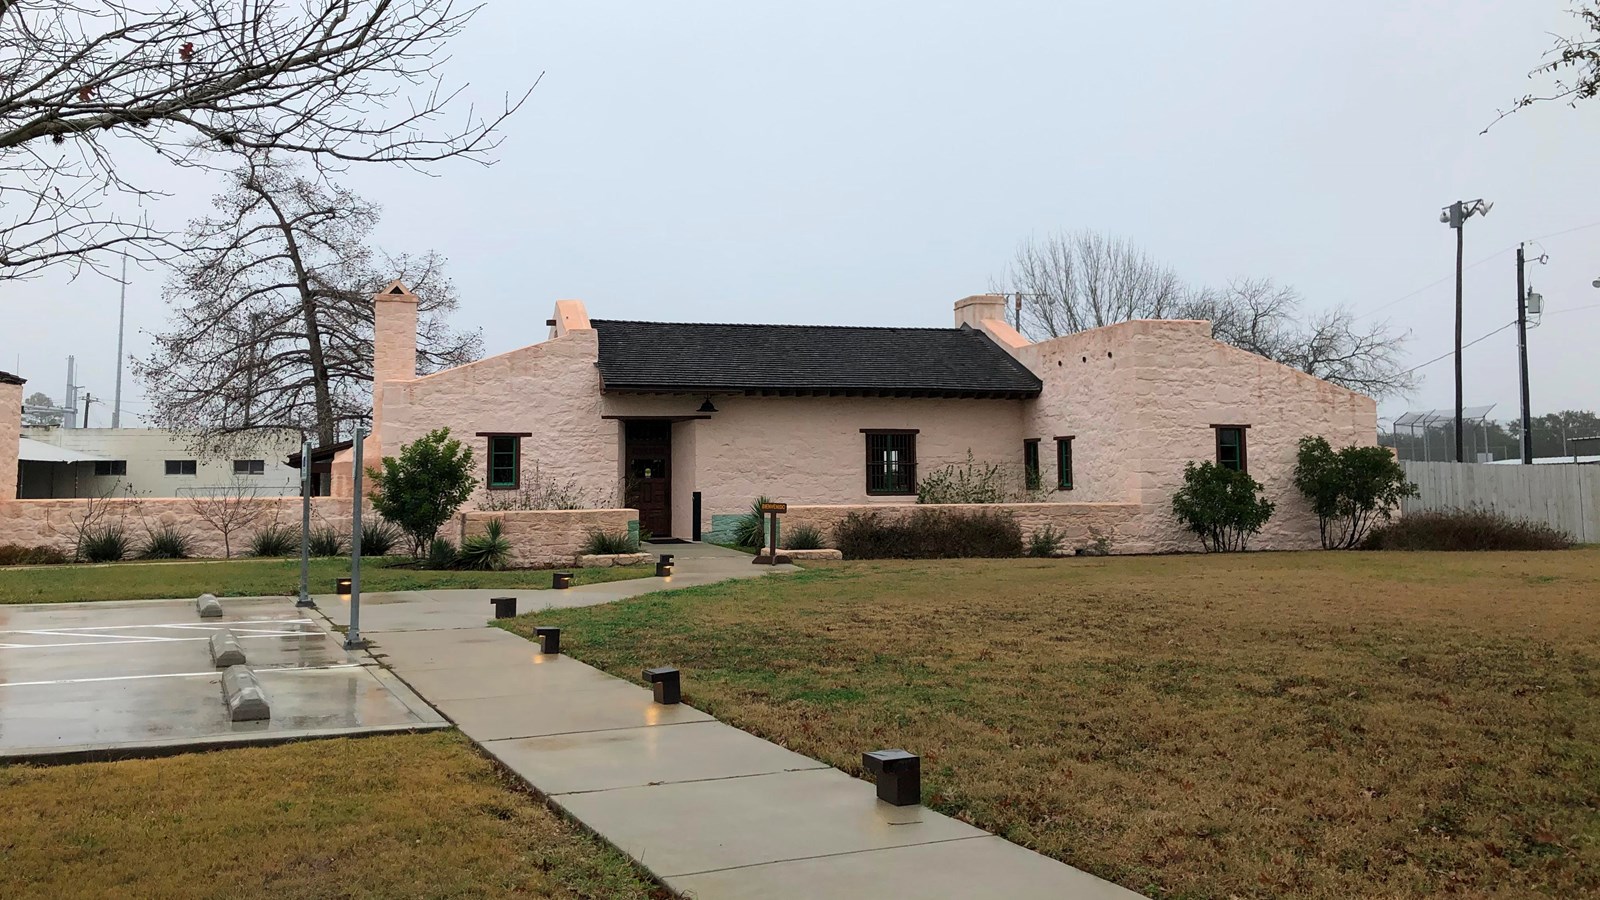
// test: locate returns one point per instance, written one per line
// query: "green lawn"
(258, 577)
(395, 816)
(1324, 725)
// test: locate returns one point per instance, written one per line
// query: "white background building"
(148, 462)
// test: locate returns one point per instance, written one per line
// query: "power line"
(1553, 312)
(1463, 346)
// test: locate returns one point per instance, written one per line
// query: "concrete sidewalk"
(711, 810)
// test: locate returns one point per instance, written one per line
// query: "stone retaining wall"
(546, 537)
(1117, 521)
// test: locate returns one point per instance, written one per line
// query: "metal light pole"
(352, 638)
(305, 526)
(1455, 215)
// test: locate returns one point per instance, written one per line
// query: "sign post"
(305, 526)
(771, 557)
(352, 638)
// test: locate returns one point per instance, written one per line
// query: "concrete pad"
(980, 867)
(450, 649)
(516, 678)
(699, 826)
(245, 697)
(632, 757)
(605, 706)
(208, 606)
(225, 649)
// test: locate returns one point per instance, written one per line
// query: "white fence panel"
(1563, 496)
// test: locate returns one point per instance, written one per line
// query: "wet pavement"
(121, 678)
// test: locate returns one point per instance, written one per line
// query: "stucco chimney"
(974, 310)
(10, 432)
(394, 334)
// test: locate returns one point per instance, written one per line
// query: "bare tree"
(1572, 65)
(85, 85)
(1070, 283)
(272, 314)
(229, 509)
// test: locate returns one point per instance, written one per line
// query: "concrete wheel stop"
(208, 606)
(246, 699)
(225, 649)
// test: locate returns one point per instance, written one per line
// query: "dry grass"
(1312, 724)
(399, 816)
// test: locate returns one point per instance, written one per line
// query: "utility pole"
(1522, 360)
(1456, 215)
(87, 399)
(122, 312)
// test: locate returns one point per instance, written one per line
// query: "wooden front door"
(647, 458)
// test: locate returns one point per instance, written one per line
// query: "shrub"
(165, 542)
(378, 538)
(1222, 506)
(929, 534)
(422, 488)
(327, 542)
(1465, 529)
(441, 554)
(801, 537)
(1046, 541)
(490, 550)
(969, 483)
(1350, 490)
(18, 555)
(604, 543)
(751, 529)
(275, 540)
(104, 543)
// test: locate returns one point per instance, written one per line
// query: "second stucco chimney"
(394, 334)
(974, 310)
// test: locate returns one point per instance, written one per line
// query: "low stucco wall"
(55, 523)
(1074, 520)
(547, 537)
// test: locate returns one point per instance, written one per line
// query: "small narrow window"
(505, 451)
(110, 467)
(891, 462)
(180, 467)
(1030, 464)
(1064, 463)
(249, 467)
(1231, 450)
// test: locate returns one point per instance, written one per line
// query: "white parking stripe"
(214, 673)
(115, 642)
(168, 625)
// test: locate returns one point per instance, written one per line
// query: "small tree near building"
(421, 489)
(229, 509)
(1350, 489)
(1222, 506)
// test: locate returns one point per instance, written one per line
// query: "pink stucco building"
(688, 423)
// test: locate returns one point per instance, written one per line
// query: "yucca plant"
(605, 543)
(751, 530)
(801, 537)
(165, 542)
(276, 540)
(327, 542)
(441, 554)
(490, 550)
(378, 538)
(106, 543)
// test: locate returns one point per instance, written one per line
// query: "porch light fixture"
(707, 407)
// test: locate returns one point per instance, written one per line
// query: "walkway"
(711, 810)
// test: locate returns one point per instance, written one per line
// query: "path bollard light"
(504, 607)
(666, 684)
(664, 566)
(899, 775)
(208, 606)
(549, 638)
(561, 580)
(342, 586)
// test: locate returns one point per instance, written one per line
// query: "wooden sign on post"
(771, 557)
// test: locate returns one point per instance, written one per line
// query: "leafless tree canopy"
(1072, 282)
(272, 316)
(1572, 65)
(84, 85)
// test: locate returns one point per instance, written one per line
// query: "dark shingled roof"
(8, 378)
(808, 360)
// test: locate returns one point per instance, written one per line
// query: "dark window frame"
(1244, 446)
(115, 468)
(1032, 471)
(515, 437)
(184, 467)
(251, 467)
(1064, 462)
(904, 480)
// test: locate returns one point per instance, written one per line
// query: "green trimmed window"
(1030, 464)
(505, 458)
(1063, 463)
(1231, 450)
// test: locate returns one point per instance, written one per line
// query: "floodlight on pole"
(1456, 215)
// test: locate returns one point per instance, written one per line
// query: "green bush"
(104, 543)
(751, 530)
(378, 538)
(1046, 542)
(422, 488)
(929, 534)
(441, 554)
(603, 543)
(969, 483)
(18, 555)
(276, 540)
(1222, 506)
(327, 542)
(490, 550)
(165, 542)
(800, 537)
(1350, 490)
(1465, 529)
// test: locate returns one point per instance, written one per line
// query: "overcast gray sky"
(871, 163)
